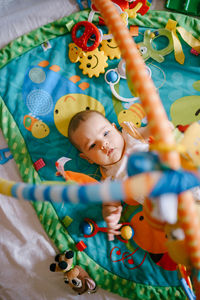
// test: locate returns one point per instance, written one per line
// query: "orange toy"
(159, 127)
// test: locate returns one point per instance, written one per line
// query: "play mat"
(44, 80)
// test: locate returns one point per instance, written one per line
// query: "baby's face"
(99, 141)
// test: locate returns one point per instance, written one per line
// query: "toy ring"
(113, 76)
(91, 33)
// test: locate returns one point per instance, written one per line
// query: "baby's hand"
(112, 214)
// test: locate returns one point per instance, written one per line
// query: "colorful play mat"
(45, 79)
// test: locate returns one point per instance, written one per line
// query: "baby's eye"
(106, 133)
(92, 146)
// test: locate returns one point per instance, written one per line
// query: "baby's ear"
(82, 155)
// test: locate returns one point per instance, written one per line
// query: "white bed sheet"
(25, 249)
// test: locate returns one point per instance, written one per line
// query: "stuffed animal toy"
(63, 263)
(75, 276)
(79, 280)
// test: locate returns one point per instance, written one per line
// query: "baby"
(100, 142)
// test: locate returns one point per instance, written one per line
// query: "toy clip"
(113, 76)
(3, 158)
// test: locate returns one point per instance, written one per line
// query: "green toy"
(190, 7)
(147, 49)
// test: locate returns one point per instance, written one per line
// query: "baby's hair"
(76, 120)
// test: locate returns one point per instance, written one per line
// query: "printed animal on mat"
(135, 114)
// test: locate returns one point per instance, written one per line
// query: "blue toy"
(3, 158)
(81, 6)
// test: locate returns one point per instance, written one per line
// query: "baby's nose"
(104, 146)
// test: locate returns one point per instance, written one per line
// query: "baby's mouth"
(110, 151)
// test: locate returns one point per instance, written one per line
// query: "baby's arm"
(141, 133)
(112, 214)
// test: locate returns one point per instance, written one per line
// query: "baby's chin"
(113, 158)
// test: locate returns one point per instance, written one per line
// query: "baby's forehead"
(100, 118)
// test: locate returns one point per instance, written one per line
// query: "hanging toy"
(113, 76)
(148, 51)
(91, 35)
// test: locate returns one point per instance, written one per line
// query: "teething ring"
(90, 31)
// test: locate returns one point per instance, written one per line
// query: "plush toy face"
(63, 262)
(79, 280)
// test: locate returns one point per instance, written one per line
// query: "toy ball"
(143, 162)
(127, 232)
(112, 76)
(86, 227)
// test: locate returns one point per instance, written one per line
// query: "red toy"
(91, 33)
(143, 9)
(123, 4)
(89, 228)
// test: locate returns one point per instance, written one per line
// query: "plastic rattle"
(90, 35)
(89, 229)
(113, 76)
